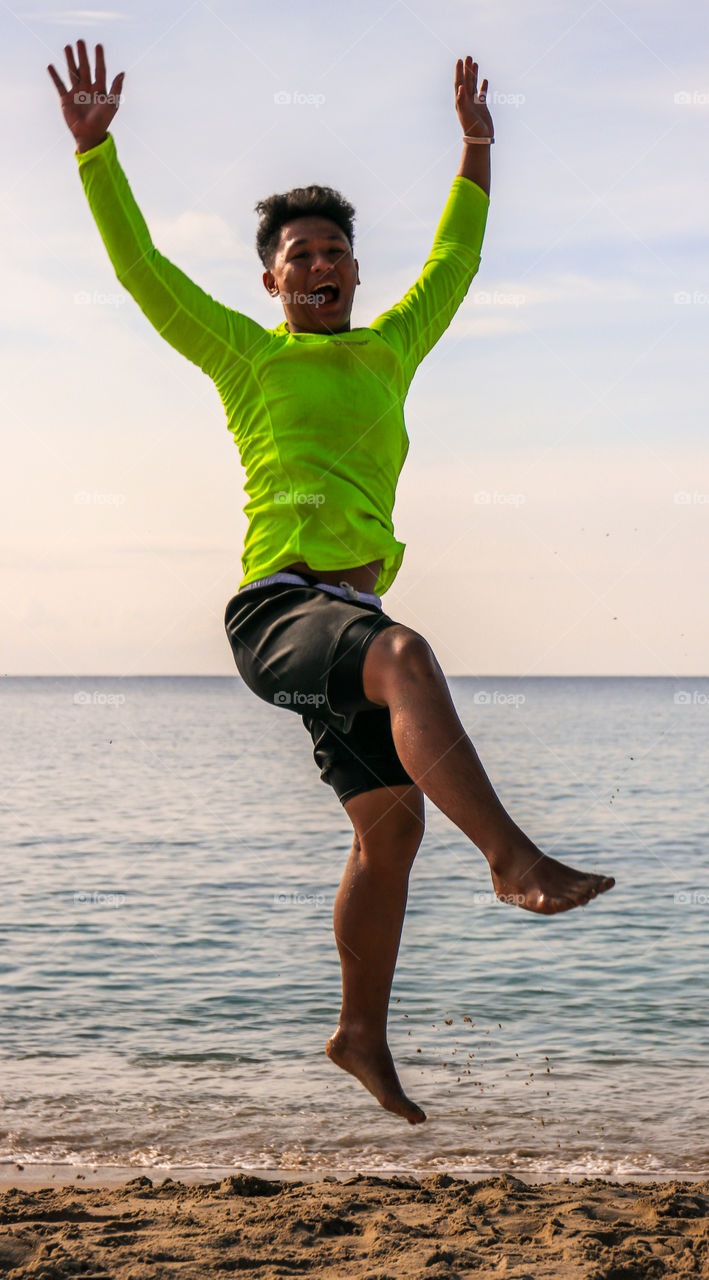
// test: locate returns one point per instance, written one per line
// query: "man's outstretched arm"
(211, 335)
(415, 324)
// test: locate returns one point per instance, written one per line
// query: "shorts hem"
(373, 786)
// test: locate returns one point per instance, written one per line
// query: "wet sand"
(367, 1227)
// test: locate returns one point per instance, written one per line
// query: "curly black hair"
(300, 202)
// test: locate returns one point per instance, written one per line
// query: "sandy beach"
(366, 1227)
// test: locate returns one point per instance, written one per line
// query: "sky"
(555, 500)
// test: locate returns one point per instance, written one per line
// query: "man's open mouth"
(325, 295)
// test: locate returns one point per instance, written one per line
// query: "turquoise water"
(169, 973)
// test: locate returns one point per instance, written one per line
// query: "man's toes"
(599, 884)
(585, 896)
(593, 886)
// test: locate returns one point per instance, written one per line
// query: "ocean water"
(169, 973)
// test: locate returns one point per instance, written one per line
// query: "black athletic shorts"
(302, 648)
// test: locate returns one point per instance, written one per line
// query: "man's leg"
(402, 673)
(369, 914)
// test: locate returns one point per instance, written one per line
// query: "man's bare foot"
(528, 878)
(374, 1067)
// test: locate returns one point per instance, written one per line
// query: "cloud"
(503, 306)
(481, 326)
(68, 17)
(204, 237)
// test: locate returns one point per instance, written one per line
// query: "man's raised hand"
(469, 103)
(88, 109)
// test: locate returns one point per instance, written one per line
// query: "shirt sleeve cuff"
(480, 195)
(99, 149)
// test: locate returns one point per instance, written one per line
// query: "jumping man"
(316, 410)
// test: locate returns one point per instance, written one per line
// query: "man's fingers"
(117, 84)
(73, 70)
(100, 70)
(84, 64)
(61, 90)
(466, 79)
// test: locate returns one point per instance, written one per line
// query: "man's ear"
(269, 281)
(357, 270)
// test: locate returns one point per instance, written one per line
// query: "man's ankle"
(358, 1031)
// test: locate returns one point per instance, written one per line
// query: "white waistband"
(349, 592)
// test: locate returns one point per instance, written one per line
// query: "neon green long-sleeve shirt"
(318, 418)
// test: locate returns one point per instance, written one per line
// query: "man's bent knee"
(394, 652)
(389, 820)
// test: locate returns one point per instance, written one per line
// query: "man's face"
(312, 252)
